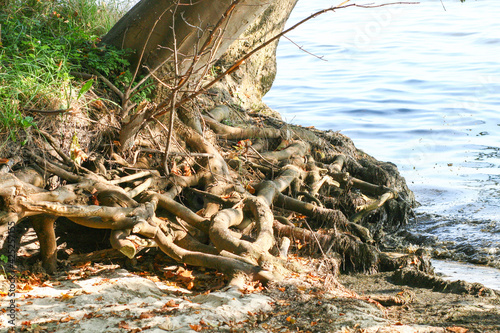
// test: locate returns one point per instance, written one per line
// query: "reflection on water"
(417, 86)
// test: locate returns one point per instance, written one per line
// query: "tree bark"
(151, 27)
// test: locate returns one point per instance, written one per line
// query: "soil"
(355, 309)
(429, 307)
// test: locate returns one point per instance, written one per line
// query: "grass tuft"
(41, 43)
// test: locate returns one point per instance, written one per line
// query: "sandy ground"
(115, 300)
(108, 298)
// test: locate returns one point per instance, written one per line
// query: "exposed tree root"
(236, 230)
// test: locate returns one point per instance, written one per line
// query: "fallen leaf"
(123, 324)
(196, 328)
(146, 315)
(88, 315)
(65, 320)
(171, 304)
(250, 189)
(457, 329)
(94, 201)
(187, 170)
(98, 104)
(26, 287)
(153, 278)
(76, 153)
(65, 297)
(184, 274)
(176, 171)
(244, 143)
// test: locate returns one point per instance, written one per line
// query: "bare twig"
(304, 50)
(237, 64)
(49, 112)
(174, 97)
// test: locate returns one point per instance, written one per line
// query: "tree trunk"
(180, 43)
(152, 28)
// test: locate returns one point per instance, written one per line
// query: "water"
(417, 86)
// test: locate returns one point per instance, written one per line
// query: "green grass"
(42, 41)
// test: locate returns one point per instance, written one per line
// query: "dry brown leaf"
(250, 189)
(457, 329)
(146, 315)
(98, 104)
(185, 277)
(65, 297)
(78, 155)
(123, 324)
(184, 274)
(66, 319)
(153, 278)
(171, 304)
(176, 171)
(196, 328)
(187, 170)
(25, 287)
(93, 200)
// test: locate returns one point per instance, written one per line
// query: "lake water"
(416, 85)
